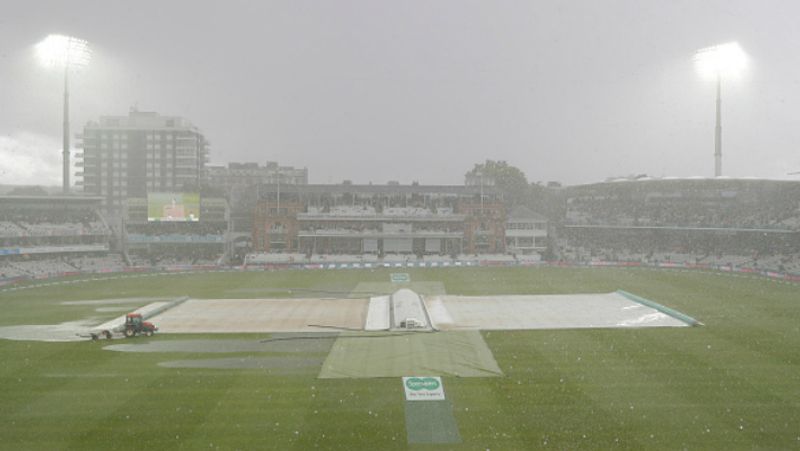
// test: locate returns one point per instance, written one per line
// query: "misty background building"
(128, 156)
(248, 174)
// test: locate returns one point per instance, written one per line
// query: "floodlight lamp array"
(724, 60)
(63, 51)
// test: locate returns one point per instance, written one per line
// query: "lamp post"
(715, 62)
(57, 51)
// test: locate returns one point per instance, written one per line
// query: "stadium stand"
(98, 263)
(734, 224)
(43, 236)
(10, 229)
(176, 243)
(725, 224)
(720, 203)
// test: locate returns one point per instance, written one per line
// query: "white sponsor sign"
(400, 277)
(423, 388)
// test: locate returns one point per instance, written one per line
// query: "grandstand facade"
(526, 232)
(379, 219)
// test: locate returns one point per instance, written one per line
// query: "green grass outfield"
(731, 384)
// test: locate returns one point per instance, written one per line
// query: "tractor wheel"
(129, 333)
(148, 333)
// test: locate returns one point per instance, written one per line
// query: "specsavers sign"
(423, 388)
(400, 277)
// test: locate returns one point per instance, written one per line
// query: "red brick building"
(379, 219)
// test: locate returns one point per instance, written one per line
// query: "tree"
(510, 180)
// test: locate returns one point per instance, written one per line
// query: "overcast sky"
(418, 90)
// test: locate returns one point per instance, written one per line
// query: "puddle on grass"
(68, 331)
(280, 365)
(318, 343)
(315, 347)
(83, 375)
(113, 309)
(259, 290)
(114, 301)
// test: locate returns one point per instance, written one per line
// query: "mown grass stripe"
(431, 422)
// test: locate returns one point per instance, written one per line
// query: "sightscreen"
(173, 207)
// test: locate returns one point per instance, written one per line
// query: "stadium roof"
(692, 179)
(38, 200)
(380, 189)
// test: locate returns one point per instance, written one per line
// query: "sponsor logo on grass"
(423, 383)
(400, 277)
(423, 388)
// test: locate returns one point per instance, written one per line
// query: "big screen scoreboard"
(173, 207)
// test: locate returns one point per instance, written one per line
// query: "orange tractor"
(135, 325)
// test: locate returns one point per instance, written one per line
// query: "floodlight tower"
(57, 51)
(724, 60)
